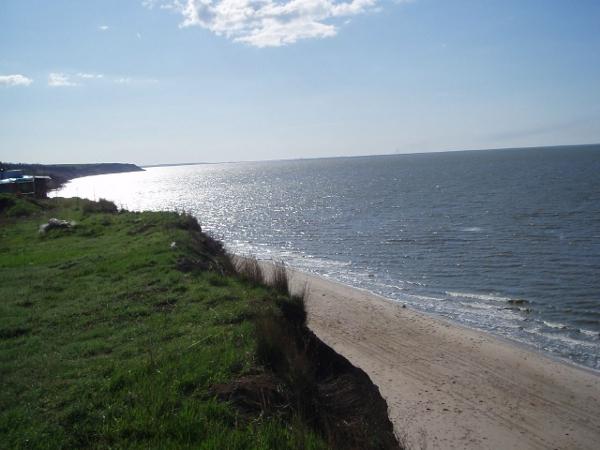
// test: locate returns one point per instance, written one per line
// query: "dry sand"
(449, 387)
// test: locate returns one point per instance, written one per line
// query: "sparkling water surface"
(506, 241)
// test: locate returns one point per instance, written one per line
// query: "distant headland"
(62, 173)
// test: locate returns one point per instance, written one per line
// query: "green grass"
(105, 343)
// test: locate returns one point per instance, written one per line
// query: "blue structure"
(14, 182)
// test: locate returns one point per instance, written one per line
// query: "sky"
(175, 81)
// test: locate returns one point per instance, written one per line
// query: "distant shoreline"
(536, 147)
(63, 173)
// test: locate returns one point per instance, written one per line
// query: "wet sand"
(448, 387)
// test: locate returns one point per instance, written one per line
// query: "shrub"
(294, 309)
(188, 222)
(101, 206)
(6, 201)
(16, 206)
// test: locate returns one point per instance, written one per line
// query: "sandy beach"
(449, 387)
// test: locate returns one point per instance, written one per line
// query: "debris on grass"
(54, 223)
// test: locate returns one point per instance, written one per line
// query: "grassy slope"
(104, 343)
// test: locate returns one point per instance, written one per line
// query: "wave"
(483, 306)
(472, 229)
(590, 333)
(484, 297)
(559, 326)
(423, 297)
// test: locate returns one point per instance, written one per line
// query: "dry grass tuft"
(249, 269)
(279, 278)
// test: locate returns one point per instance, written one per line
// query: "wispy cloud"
(90, 76)
(65, 79)
(60, 80)
(15, 80)
(124, 80)
(130, 80)
(267, 23)
(103, 27)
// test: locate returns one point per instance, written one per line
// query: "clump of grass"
(273, 343)
(17, 206)
(218, 280)
(8, 333)
(280, 348)
(279, 278)
(101, 206)
(293, 309)
(250, 270)
(6, 201)
(186, 221)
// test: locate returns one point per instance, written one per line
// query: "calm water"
(505, 241)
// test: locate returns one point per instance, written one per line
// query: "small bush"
(101, 206)
(6, 201)
(188, 222)
(294, 310)
(22, 209)
(272, 342)
(14, 206)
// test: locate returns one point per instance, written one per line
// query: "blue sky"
(165, 81)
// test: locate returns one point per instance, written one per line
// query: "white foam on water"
(572, 343)
(478, 305)
(593, 334)
(555, 325)
(485, 297)
(423, 297)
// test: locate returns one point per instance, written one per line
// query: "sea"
(504, 241)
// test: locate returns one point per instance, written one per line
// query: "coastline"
(504, 286)
(448, 386)
(61, 174)
(526, 346)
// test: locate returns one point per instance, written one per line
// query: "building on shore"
(15, 182)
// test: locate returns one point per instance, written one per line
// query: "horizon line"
(549, 147)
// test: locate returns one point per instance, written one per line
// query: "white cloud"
(65, 79)
(90, 76)
(15, 80)
(130, 80)
(60, 80)
(103, 27)
(267, 23)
